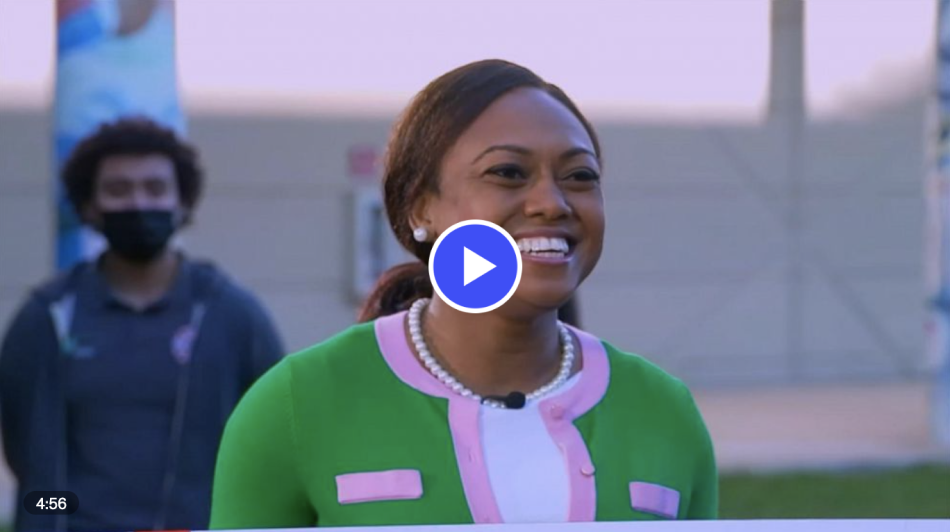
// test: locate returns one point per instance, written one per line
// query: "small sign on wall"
(364, 164)
(375, 248)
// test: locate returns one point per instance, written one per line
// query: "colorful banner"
(938, 242)
(114, 58)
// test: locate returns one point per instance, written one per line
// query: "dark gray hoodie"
(123, 407)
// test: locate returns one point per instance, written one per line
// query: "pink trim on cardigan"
(463, 421)
(463, 417)
(655, 499)
(394, 344)
(397, 484)
(558, 413)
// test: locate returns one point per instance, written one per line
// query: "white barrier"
(792, 525)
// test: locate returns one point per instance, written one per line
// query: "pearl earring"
(420, 234)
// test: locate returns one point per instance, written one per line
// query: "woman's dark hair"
(427, 129)
(131, 136)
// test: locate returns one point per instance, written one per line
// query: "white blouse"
(527, 471)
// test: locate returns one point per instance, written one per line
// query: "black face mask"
(138, 235)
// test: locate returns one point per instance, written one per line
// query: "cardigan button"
(588, 470)
(557, 412)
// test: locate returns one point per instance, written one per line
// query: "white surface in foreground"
(798, 525)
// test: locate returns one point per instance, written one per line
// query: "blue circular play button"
(475, 266)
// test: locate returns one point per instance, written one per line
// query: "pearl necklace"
(415, 331)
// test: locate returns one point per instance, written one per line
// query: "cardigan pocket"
(654, 499)
(397, 484)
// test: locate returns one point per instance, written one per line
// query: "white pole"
(938, 260)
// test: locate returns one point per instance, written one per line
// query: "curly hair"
(134, 135)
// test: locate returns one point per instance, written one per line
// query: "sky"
(647, 59)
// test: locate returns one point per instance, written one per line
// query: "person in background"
(428, 415)
(117, 377)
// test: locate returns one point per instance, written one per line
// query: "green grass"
(919, 492)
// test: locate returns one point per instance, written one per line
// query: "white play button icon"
(474, 266)
(463, 255)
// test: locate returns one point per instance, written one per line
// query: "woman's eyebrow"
(579, 150)
(521, 150)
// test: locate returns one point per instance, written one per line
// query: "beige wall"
(696, 270)
(702, 271)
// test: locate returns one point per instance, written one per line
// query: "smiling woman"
(392, 422)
